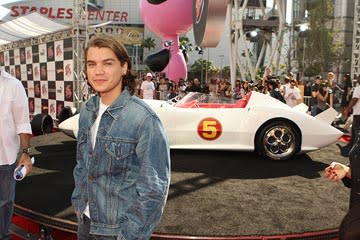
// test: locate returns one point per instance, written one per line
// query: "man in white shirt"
(15, 132)
(292, 94)
(355, 106)
(147, 89)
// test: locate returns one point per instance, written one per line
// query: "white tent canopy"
(31, 25)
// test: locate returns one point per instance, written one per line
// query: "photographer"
(319, 94)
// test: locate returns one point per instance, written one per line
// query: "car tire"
(278, 140)
(41, 124)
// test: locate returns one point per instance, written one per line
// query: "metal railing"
(307, 100)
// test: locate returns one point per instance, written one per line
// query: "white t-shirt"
(292, 96)
(148, 88)
(284, 88)
(14, 117)
(356, 94)
(94, 130)
(95, 126)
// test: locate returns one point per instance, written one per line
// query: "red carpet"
(34, 228)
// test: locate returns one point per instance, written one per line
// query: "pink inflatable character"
(168, 19)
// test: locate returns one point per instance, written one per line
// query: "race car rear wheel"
(278, 141)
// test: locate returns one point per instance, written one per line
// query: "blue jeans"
(83, 232)
(7, 198)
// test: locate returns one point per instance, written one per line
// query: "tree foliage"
(200, 68)
(225, 72)
(149, 43)
(184, 41)
(317, 51)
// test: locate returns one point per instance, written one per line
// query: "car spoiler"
(70, 126)
(327, 116)
(301, 107)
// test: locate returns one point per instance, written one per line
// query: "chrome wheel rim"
(279, 142)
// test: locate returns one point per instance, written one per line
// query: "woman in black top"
(350, 175)
(346, 96)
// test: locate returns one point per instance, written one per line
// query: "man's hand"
(77, 213)
(25, 160)
(346, 112)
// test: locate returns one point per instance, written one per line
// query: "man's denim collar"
(93, 104)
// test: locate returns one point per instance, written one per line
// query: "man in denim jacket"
(122, 173)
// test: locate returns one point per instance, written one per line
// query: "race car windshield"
(204, 98)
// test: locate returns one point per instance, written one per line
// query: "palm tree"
(184, 41)
(149, 43)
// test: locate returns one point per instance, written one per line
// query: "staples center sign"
(67, 13)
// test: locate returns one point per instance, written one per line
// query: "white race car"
(256, 123)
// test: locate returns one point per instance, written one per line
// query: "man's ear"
(125, 68)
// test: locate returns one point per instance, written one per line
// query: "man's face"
(67, 70)
(43, 71)
(37, 88)
(292, 84)
(268, 71)
(104, 71)
(68, 91)
(50, 52)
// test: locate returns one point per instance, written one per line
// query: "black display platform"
(212, 193)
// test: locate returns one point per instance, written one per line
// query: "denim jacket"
(125, 179)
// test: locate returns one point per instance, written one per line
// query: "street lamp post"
(202, 69)
(221, 64)
(207, 62)
(136, 46)
(201, 52)
(303, 29)
(303, 59)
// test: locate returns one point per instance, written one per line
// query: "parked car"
(257, 123)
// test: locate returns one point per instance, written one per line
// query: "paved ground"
(212, 192)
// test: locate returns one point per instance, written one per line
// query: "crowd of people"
(317, 93)
(155, 86)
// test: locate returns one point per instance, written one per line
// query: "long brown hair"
(106, 41)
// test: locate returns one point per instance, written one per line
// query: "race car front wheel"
(278, 141)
